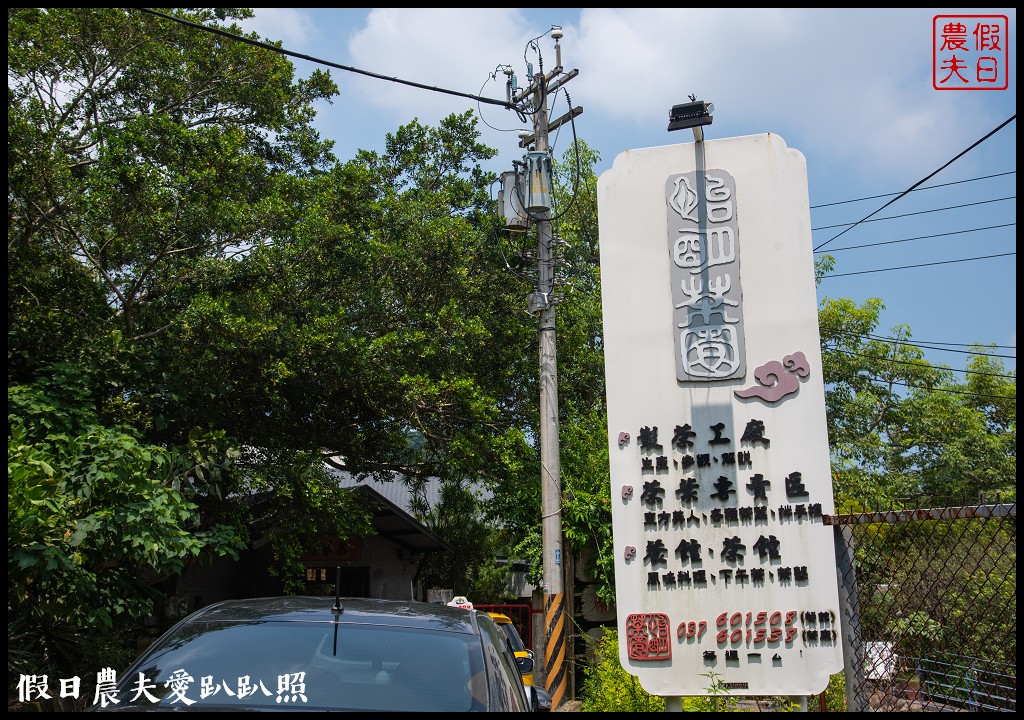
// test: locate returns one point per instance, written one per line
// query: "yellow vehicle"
(508, 627)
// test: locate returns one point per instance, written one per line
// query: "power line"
(926, 187)
(924, 179)
(310, 58)
(919, 212)
(924, 346)
(926, 366)
(969, 352)
(931, 345)
(938, 342)
(939, 389)
(922, 237)
(906, 267)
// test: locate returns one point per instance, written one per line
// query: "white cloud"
(291, 26)
(850, 88)
(439, 47)
(854, 84)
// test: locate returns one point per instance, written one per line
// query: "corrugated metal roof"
(397, 491)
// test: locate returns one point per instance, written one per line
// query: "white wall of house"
(391, 569)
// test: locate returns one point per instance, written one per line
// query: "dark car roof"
(372, 611)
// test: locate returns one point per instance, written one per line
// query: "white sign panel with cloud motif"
(725, 572)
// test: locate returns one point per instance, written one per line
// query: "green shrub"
(717, 699)
(607, 687)
(835, 693)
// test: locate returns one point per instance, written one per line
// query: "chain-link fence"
(929, 611)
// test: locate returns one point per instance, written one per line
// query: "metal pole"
(555, 621)
(849, 616)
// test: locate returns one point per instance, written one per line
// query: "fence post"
(853, 670)
(972, 687)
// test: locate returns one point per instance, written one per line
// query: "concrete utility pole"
(538, 182)
(555, 635)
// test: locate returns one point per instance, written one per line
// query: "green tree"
(960, 435)
(905, 433)
(146, 161)
(94, 519)
(141, 153)
(471, 568)
(178, 225)
(900, 426)
(582, 416)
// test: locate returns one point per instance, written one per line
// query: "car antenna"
(337, 609)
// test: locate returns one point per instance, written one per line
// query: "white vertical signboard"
(724, 571)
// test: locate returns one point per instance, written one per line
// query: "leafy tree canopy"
(900, 426)
(178, 230)
(95, 518)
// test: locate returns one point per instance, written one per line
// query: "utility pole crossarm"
(553, 125)
(554, 84)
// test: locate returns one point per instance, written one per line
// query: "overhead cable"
(907, 267)
(924, 179)
(919, 212)
(926, 187)
(310, 58)
(921, 237)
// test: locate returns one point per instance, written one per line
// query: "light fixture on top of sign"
(694, 114)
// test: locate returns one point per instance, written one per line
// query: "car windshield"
(310, 666)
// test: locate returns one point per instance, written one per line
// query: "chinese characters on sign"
(705, 267)
(741, 518)
(291, 688)
(970, 52)
(660, 513)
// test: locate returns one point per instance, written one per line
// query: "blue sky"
(852, 89)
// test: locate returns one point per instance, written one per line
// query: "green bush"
(608, 687)
(717, 699)
(835, 693)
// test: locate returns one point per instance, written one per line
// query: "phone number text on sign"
(648, 634)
